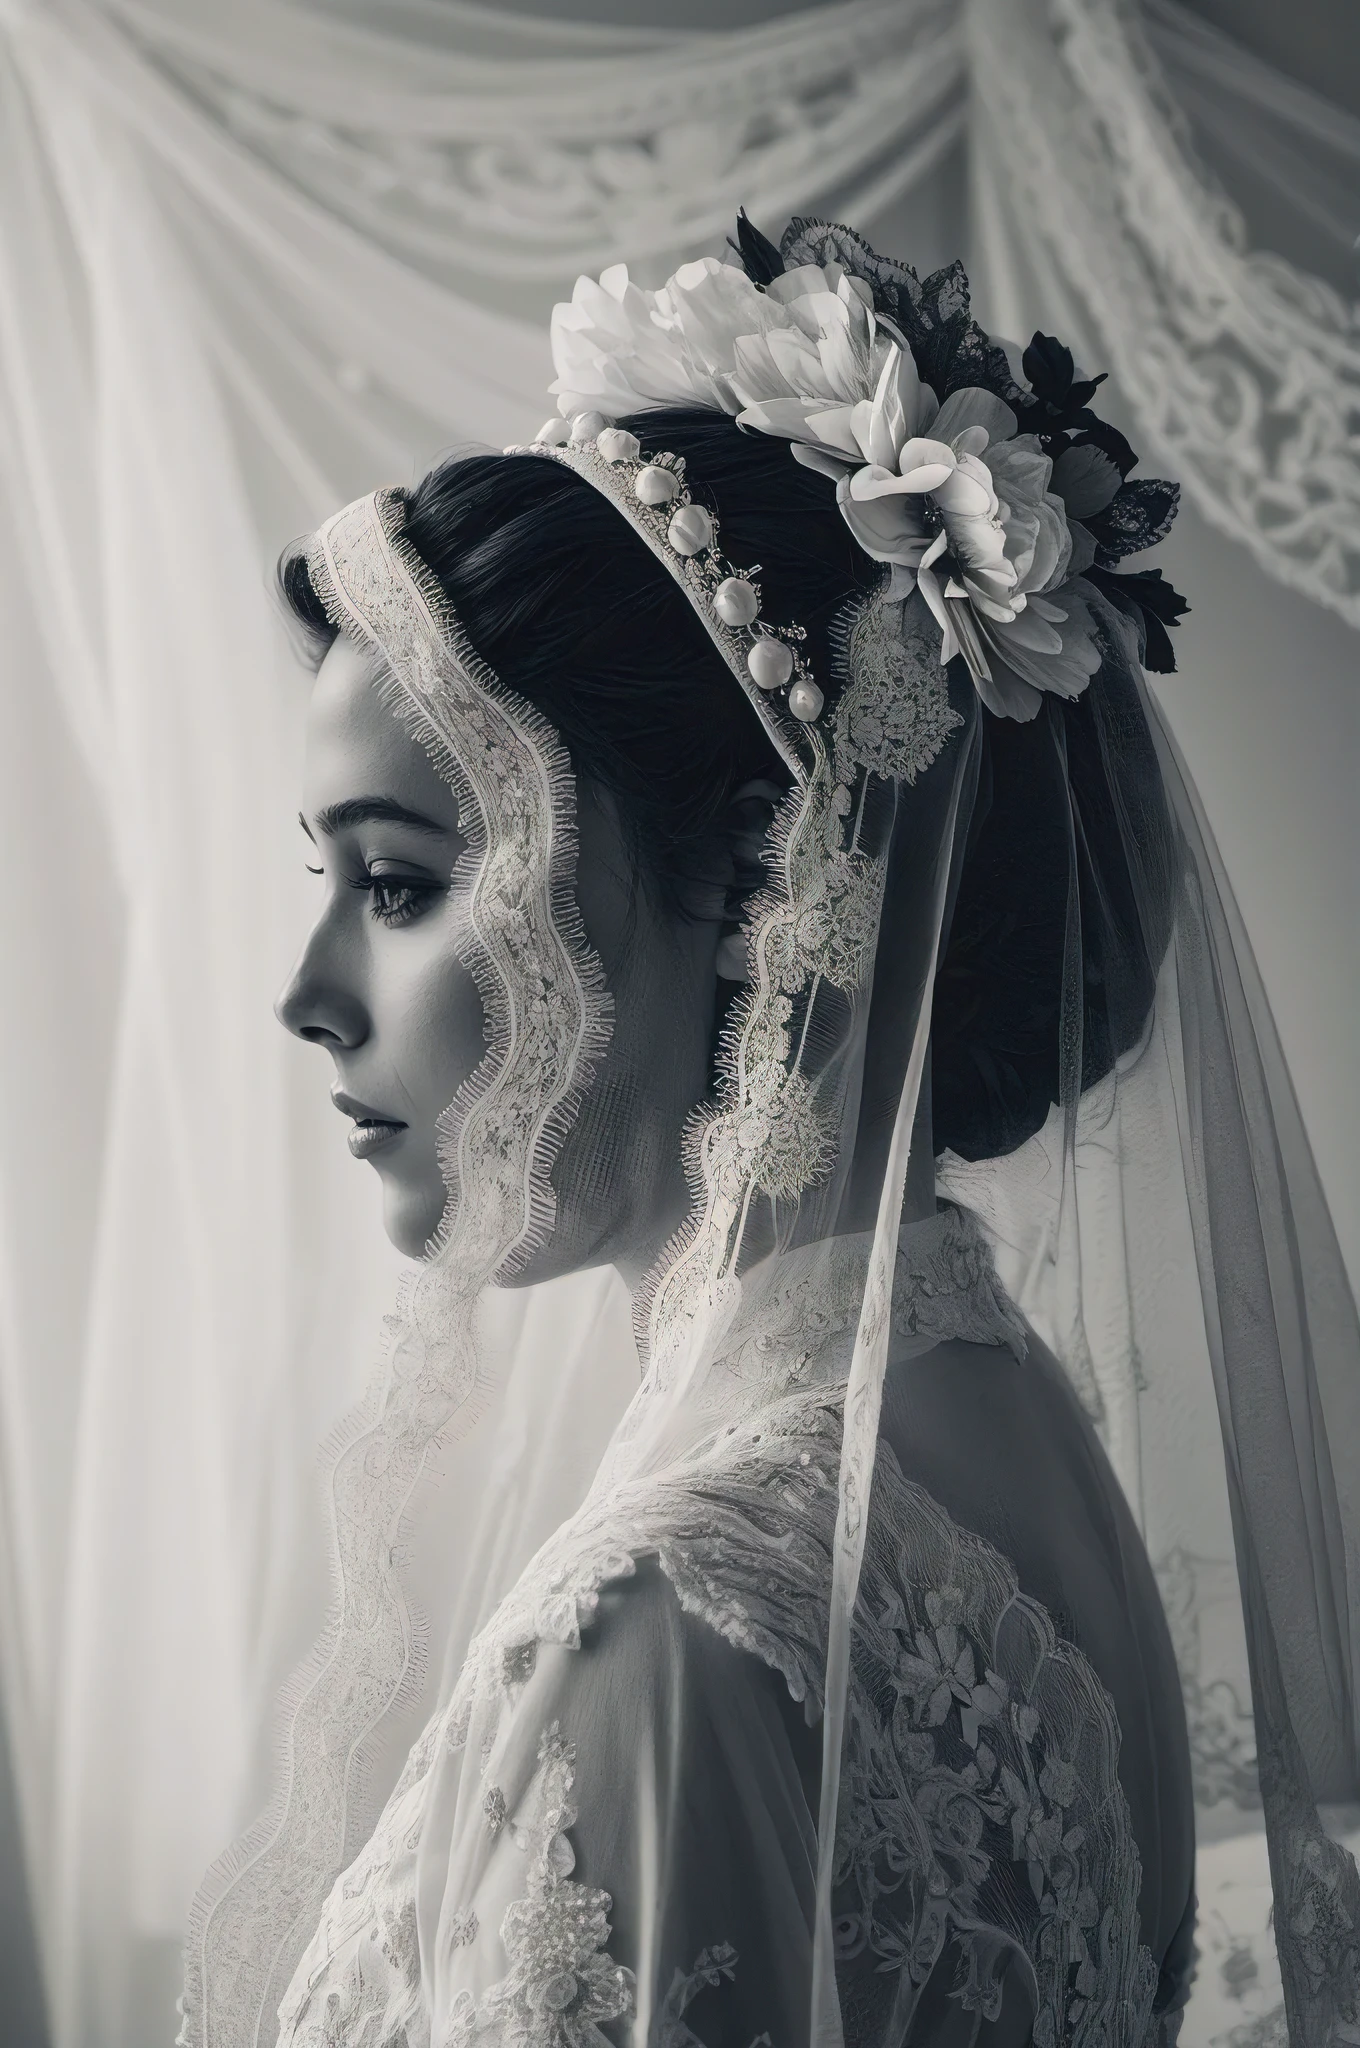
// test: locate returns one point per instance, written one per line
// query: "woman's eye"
(395, 902)
(392, 899)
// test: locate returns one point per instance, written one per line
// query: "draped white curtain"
(256, 258)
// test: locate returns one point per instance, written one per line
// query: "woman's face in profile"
(380, 985)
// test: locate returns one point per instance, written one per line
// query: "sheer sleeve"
(671, 1811)
(610, 1835)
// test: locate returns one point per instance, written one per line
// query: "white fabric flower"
(709, 337)
(958, 504)
(947, 495)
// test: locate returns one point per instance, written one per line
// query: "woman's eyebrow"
(371, 810)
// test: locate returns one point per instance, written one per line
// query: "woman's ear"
(750, 811)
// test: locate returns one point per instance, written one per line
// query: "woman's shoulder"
(1003, 1445)
(687, 1755)
(1005, 1450)
(641, 1638)
(672, 1669)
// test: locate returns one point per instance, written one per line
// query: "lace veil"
(1163, 1232)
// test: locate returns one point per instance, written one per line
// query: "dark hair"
(1075, 794)
(568, 606)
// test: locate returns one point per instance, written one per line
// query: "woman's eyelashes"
(396, 896)
(398, 899)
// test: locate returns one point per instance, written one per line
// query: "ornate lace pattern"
(773, 1134)
(810, 936)
(980, 1800)
(981, 1804)
(798, 1331)
(812, 933)
(981, 1814)
(946, 1288)
(1244, 372)
(561, 1985)
(547, 1020)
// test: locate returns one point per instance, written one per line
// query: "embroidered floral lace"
(614, 1820)
(981, 1805)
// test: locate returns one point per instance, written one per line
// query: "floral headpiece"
(1004, 504)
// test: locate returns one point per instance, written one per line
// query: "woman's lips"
(370, 1134)
(371, 1131)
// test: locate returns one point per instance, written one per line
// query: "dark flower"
(933, 315)
(1152, 603)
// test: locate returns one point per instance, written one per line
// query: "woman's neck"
(918, 1195)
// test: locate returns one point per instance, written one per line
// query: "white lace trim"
(810, 935)
(561, 1984)
(547, 1021)
(980, 1749)
(1243, 371)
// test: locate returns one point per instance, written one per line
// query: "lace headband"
(652, 494)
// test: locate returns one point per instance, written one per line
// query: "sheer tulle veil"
(1164, 1231)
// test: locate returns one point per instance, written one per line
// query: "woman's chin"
(411, 1215)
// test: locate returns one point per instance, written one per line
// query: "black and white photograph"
(680, 1159)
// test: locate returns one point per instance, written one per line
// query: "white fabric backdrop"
(255, 259)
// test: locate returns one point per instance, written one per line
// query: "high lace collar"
(797, 1326)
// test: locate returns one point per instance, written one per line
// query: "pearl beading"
(652, 494)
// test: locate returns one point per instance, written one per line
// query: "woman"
(679, 912)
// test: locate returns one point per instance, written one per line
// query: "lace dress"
(610, 1831)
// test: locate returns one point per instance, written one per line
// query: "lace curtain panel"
(1241, 370)
(256, 259)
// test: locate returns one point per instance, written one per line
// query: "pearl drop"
(806, 701)
(587, 426)
(617, 446)
(554, 433)
(735, 601)
(770, 663)
(655, 486)
(691, 530)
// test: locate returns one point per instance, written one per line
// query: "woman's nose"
(316, 1002)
